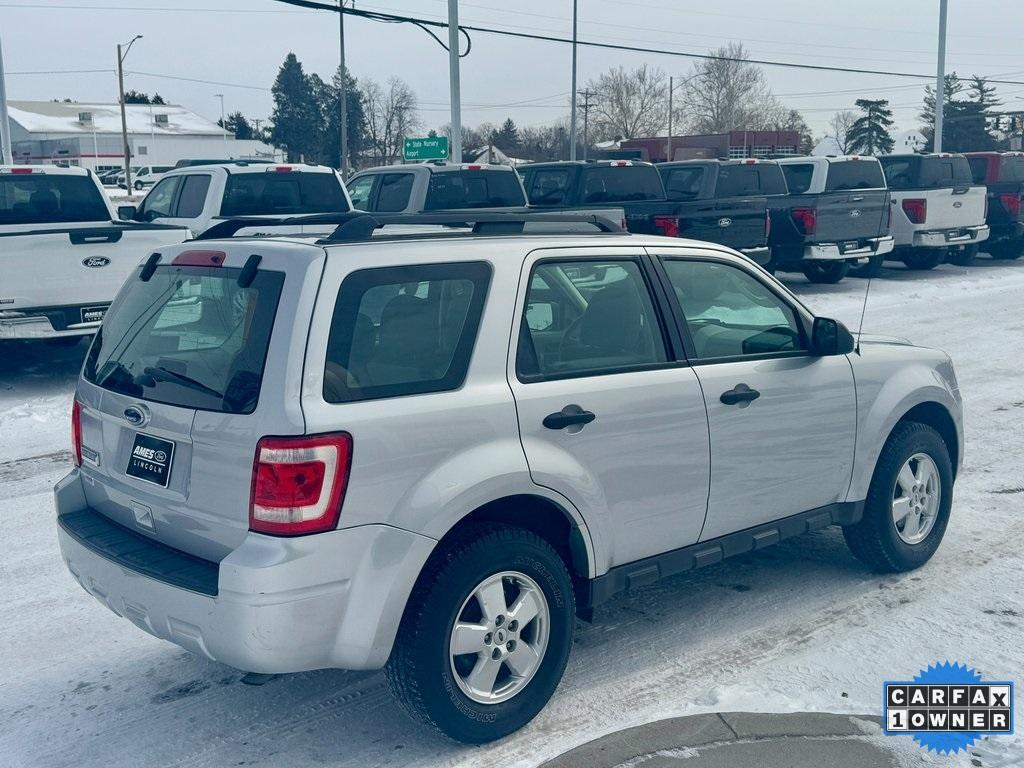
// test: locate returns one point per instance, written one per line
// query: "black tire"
(924, 258)
(420, 669)
(875, 540)
(1007, 250)
(872, 269)
(963, 257)
(826, 272)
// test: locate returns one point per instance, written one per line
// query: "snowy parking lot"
(798, 627)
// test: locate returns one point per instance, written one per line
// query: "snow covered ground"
(801, 626)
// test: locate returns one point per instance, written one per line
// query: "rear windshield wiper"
(166, 374)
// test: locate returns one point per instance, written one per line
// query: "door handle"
(857, 198)
(741, 393)
(567, 417)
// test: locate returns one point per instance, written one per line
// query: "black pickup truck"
(835, 217)
(1003, 174)
(725, 201)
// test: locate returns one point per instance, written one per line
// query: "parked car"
(200, 196)
(432, 453)
(1003, 175)
(146, 176)
(938, 213)
(109, 178)
(634, 186)
(416, 188)
(725, 201)
(837, 217)
(120, 181)
(63, 256)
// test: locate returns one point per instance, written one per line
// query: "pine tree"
(296, 116)
(238, 126)
(869, 134)
(951, 87)
(506, 138)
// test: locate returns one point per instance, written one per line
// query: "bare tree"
(839, 129)
(728, 93)
(390, 117)
(629, 103)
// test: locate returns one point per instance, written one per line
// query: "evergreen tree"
(238, 126)
(951, 87)
(506, 138)
(869, 134)
(296, 116)
(965, 121)
(138, 97)
(355, 123)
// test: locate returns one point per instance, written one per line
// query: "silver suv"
(431, 452)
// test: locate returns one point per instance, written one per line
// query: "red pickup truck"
(1003, 174)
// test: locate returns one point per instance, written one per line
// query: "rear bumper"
(875, 246)
(18, 325)
(1014, 231)
(946, 237)
(760, 256)
(280, 604)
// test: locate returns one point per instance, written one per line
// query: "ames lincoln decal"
(947, 707)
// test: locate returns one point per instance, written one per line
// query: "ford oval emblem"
(854, 213)
(958, 204)
(136, 415)
(95, 262)
(725, 222)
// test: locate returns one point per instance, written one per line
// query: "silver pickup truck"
(64, 254)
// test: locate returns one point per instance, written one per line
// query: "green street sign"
(435, 148)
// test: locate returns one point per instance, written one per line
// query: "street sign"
(430, 148)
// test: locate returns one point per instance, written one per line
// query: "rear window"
(40, 198)
(798, 176)
(621, 184)
(684, 182)
(754, 179)
(190, 336)
(1011, 169)
(394, 192)
(404, 330)
(548, 186)
(927, 172)
(979, 169)
(854, 174)
(474, 189)
(270, 192)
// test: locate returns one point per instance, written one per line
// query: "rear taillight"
(298, 483)
(1011, 203)
(76, 433)
(916, 210)
(888, 216)
(767, 224)
(806, 220)
(667, 225)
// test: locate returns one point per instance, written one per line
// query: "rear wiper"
(166, 374)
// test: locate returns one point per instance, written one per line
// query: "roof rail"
(356, 226)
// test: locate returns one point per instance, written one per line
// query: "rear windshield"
(979, 169)
(258, 194)
(754, 179)
(798, 176)
(474, 189)
(40, 198)
(621, 184)
(854, 174)
(927, 172)
(548, 186)
(683, 182)
(190, 336)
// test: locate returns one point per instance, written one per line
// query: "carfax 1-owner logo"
(948, 707)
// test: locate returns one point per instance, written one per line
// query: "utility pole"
(124, 116)
(453, 75)
(343, 152)
(586, 94)
(572, 109)
(223, 123)
(668, 144)
(940, 77)
(5, 120)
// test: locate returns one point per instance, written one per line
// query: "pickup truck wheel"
(872, 269)
(908, 504)
(485, 636)
(924, 258)
(828, 272)
(963, 257)
(1007, 250)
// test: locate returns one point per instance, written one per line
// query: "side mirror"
(830, 337)
(127, 212)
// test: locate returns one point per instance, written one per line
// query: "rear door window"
(190, 336)
(404, 330)
(845, 175)
(192, 199)
(40, 198)
(394, 192)
(474, 189)
(549, 186)
(621, 184)
(798, 177)
(272, 192)
(684, 183)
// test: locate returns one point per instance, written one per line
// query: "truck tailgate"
(851, 215)
(955, 208)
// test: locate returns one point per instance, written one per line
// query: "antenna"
(863, 310)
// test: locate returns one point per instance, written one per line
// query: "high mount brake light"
(199, 259)
(298, 483)
(916, 209)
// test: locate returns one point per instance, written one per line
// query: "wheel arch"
(938, 417)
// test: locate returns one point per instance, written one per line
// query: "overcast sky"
(235, 47)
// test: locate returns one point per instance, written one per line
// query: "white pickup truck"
(200, 196)
(938, 213)
(62, 254)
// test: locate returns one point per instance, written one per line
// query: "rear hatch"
(189, 370)
(854, 205)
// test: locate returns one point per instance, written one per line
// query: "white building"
(89, 135)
